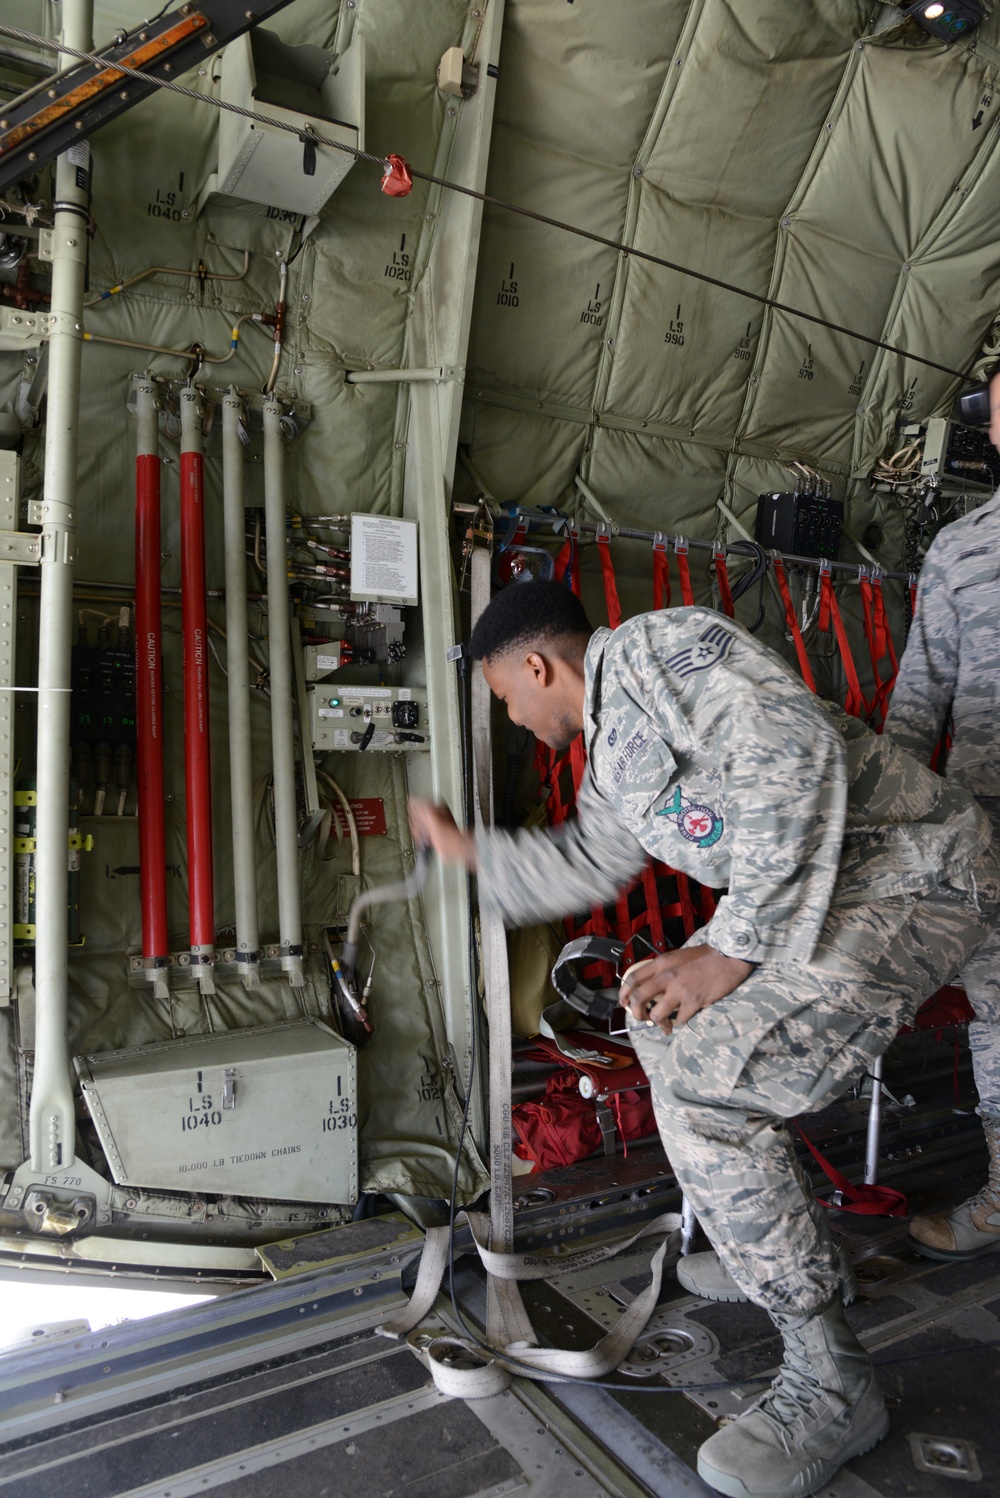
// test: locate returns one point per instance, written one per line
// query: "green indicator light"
(334, 701)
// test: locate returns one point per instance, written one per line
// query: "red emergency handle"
(149, 707)
(197, 758)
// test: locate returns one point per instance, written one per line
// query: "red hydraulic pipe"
(197, 759)
(149, 683)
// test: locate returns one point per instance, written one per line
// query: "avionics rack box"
(265, 1113)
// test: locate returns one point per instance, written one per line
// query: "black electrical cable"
(629, 251)
(757, 574)
(160, 13)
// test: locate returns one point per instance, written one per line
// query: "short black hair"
(526, 614)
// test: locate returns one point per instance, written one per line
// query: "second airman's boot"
(705, 1275)
(971, 1229)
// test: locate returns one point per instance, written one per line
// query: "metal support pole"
(874, 1124)
(238, 684)
(52, 1124)
(689, 1226)
(197, 727)
(279, 652)
(402, 376)
(149, 691)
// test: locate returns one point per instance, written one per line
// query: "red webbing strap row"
(867, 1201)
(683, 570)
(794, 629)
(829, 609)
(610, 586)
(722, 578)
(661, 576)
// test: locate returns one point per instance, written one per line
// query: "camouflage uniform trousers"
(788, 1041)
(981, 979)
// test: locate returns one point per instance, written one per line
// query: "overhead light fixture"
(948, 21)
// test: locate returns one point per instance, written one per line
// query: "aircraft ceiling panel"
(584, 83)
(683, 350)
(687, 477)
(527, 457)
(530, 275)
(751, 88)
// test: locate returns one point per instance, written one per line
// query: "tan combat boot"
(823, 1408)
(974, 1227)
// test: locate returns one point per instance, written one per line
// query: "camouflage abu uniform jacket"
(705, 750)
(951, 664)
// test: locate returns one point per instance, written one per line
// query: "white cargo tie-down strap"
(458, 1366)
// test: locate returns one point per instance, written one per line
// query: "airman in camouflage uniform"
(951, 668)
(858, 881)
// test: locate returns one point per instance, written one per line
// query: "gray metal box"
(304, 87)
(260, 1113)
(340, 716)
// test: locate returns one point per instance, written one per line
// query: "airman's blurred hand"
(434, 827)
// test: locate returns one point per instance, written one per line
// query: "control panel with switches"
(351, 717)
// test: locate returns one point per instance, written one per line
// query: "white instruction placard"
(383, 560)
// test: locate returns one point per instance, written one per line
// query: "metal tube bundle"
(282, 699)
(149, 691)
(197, 732)
(238, 684)
(53, 1123)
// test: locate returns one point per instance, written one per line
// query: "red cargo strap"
(681, 553)
(867, 1201)
(687, 904)
(880, 646)
(722, 578)
(608, 574)
(653, 910)
(661, 573)
(829, 608)
(883, 633)
(791, 620)
(874, 655)
(568, 561)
